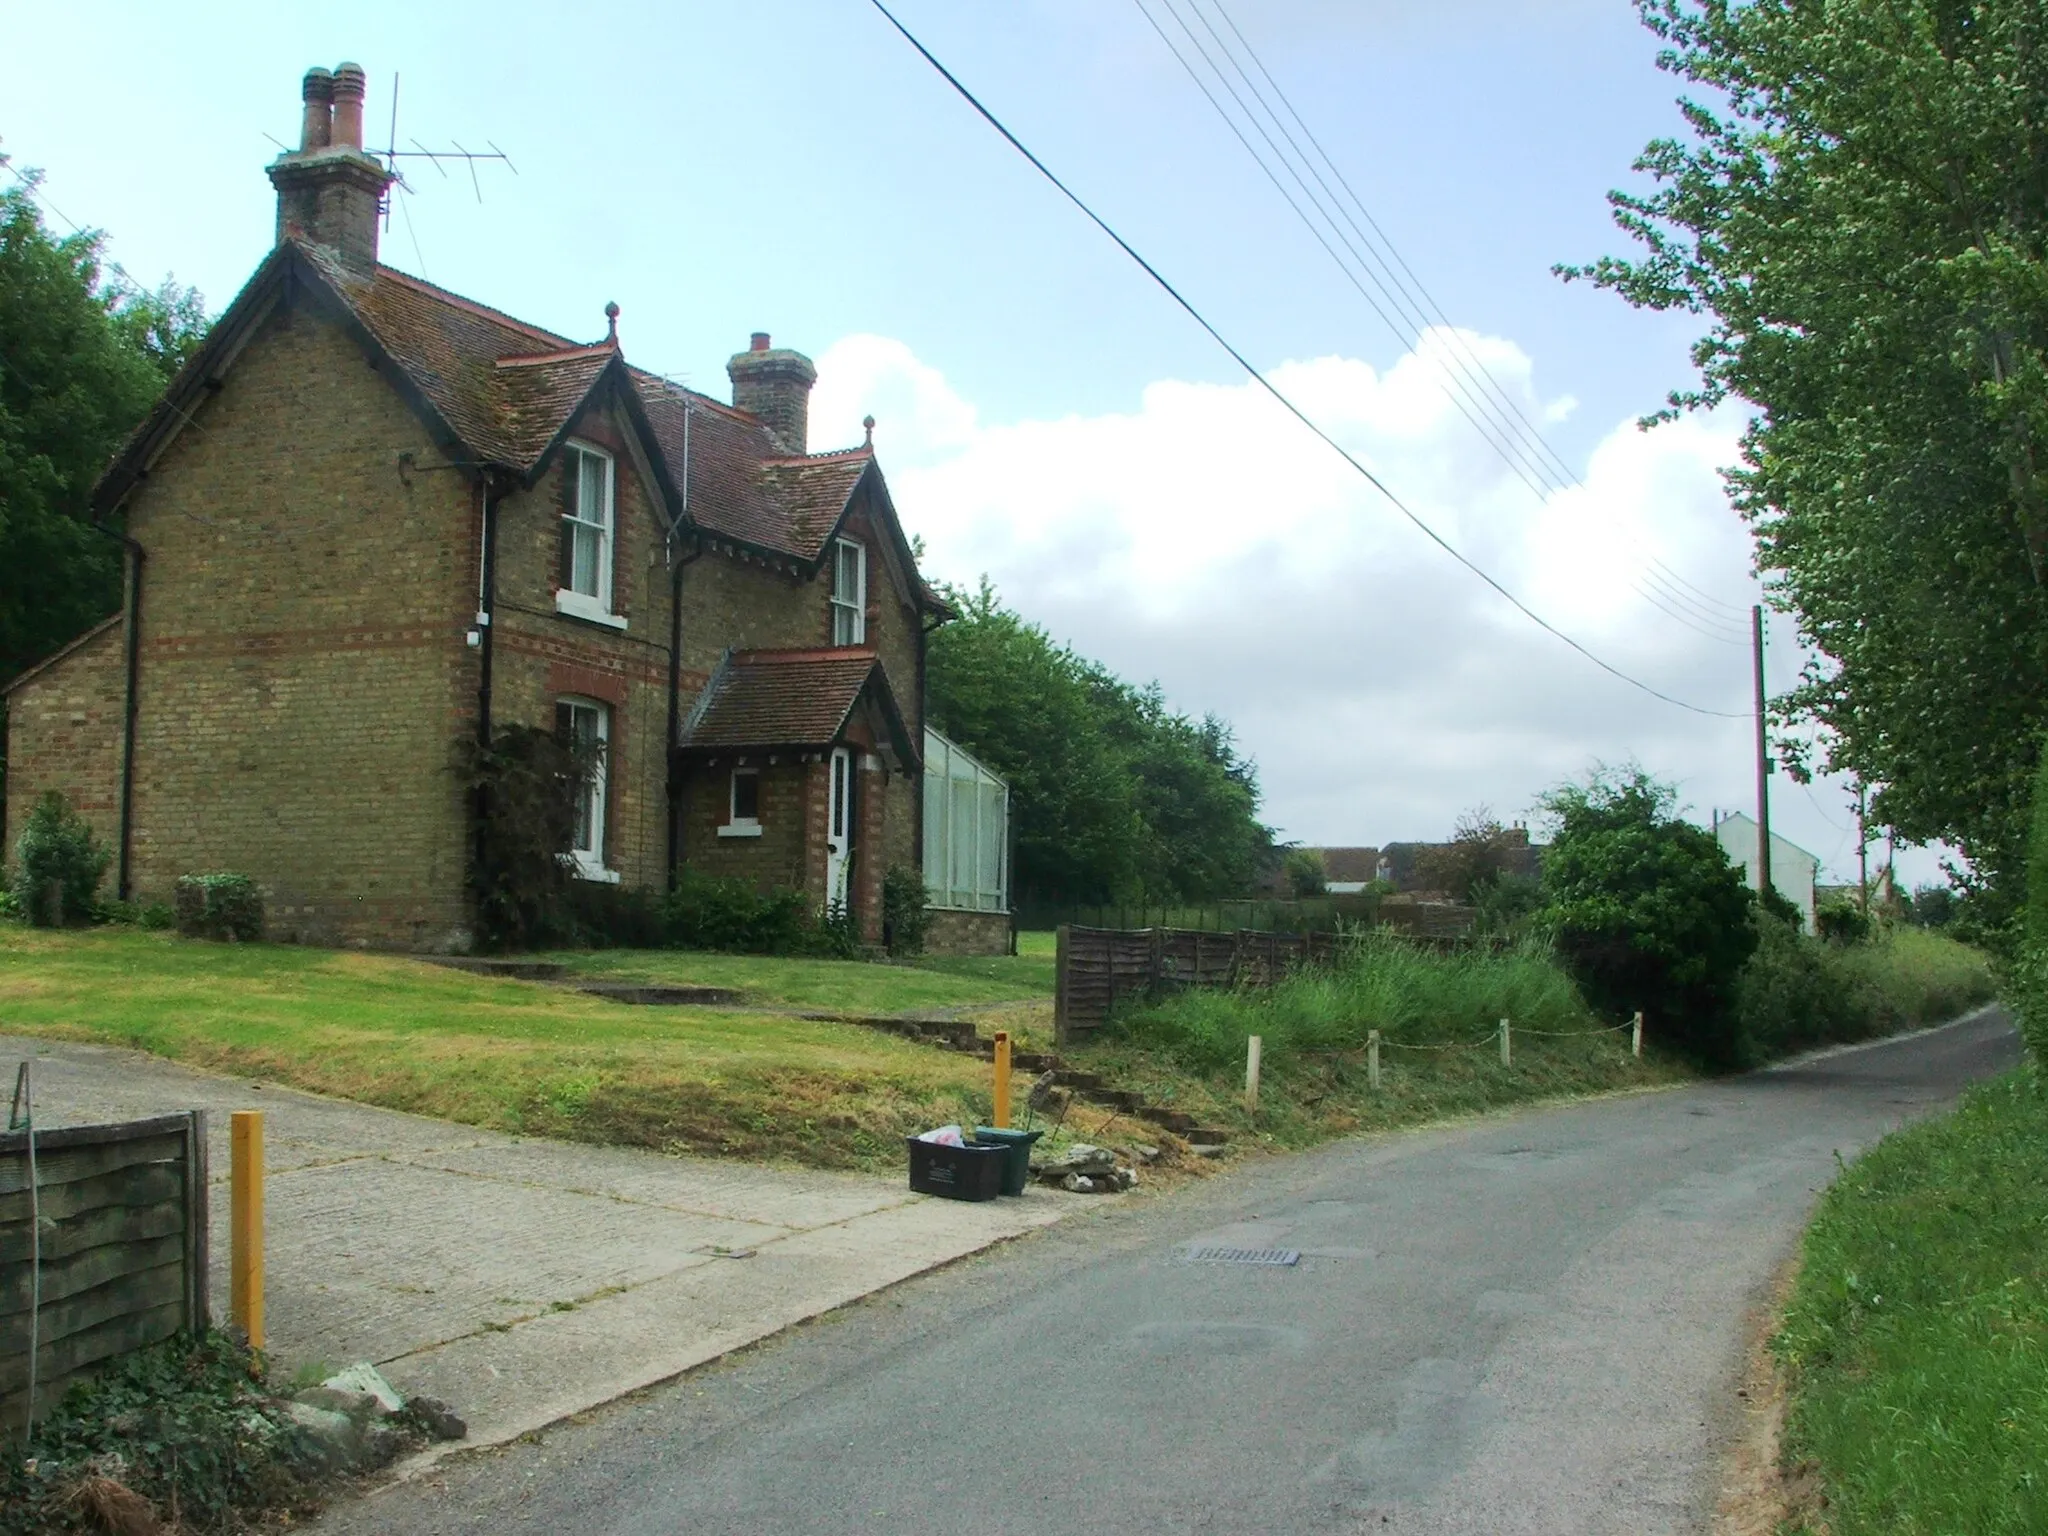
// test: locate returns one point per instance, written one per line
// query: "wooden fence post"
(1251, 1075)
(1156, 960)
(1060, 1026)
(1372, 1059)
(1636, 1036)
(245, 1287)
(1507, 1049)
(198, 1306)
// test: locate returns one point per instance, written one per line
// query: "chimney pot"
(317, 130)
(349, 85)
(775, 385)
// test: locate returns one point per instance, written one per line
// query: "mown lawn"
(1916, 1340)
(512, 1056)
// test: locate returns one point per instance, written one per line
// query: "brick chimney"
(774, 384)
(328, 190)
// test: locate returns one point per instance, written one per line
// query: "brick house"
(372, 518)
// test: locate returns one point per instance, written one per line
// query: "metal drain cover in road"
(1272, 1256)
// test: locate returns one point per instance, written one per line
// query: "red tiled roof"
(782, 698)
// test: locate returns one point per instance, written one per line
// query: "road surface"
(1530, 1324)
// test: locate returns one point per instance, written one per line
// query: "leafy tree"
(1479, 853)
(82, 359)
(1304, 871)
(1857, 207)
(1646, 909)
(1931, 906)
(1115, 796)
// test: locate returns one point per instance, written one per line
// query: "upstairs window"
(585, 577)
(587, 726)
(849, 592)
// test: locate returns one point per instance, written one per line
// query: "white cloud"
(1205, 538)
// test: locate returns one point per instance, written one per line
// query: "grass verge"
(1916, 1339)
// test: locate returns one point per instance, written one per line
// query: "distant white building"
(1793, 869)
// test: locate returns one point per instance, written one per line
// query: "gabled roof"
(503, 394)
(38, 668)
(791, 699)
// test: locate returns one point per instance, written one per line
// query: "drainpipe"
(123, 884)
(486, 604)
(675, 716)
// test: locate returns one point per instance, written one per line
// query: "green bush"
(1303, 870)
(1646, 911)
(1412, 995)
(906, 910)
(156, 915)
(219, 906)
(707, 912)
(1841, 922)
(523, 788)
(2028, 981)
(58, 864)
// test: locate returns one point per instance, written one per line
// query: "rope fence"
(1502, 1037)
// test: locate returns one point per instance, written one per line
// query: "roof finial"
(611, 320)
(869, 423)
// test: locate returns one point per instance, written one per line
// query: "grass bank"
(513, 1057)
(1437, 1014)
(926, 983)
(1797, 993)
(1916, 1340)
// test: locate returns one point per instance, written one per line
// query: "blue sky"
(1045, 415)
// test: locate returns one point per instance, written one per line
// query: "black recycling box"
(956, 1173)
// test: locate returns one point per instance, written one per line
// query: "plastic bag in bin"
(945, 1136)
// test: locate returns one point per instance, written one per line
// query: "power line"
(1494, 428)
(1273, 390)
(1527, 450)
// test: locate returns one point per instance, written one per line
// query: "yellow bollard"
(245, 1195)
(1002, 1115)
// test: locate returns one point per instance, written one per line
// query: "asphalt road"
(1517, 1325)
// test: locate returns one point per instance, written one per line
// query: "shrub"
(1931, 906)
(156, 915)
(10, 908)
(2029, 967)
(707, 912)
(1841, 922)
(906, 910)
(523, 790)
(58, 864)
(1798, 992)
(607, 916)
(835, 936)
(1646, 910)
(219, 906)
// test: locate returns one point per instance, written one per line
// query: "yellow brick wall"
(64, 733)
(304, 675)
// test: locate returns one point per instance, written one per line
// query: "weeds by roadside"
(1917, 1335)
(182, 1436)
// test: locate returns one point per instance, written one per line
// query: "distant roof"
(791, 699)
(1348, 864)
(506, 393)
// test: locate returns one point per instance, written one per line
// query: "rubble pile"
(1086, 1170)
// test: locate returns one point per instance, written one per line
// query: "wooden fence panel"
(123, 1252)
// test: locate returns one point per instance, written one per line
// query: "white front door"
(839, 829)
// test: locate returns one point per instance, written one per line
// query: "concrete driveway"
(523, 1280)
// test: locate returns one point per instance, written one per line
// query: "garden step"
(659, 996)
(510, 970)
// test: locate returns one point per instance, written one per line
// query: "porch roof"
(792, 700)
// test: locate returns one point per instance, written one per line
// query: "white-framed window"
(849, 592)
(743, 809)
(589, 524)
(587, 724)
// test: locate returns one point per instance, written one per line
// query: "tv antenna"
(391, 154)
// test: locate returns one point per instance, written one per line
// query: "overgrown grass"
(1917, 1335)
(1438, 1016)
(1414, 996)
(1798, 992)
(539, 1060)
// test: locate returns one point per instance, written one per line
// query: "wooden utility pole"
(1862, 854)
(1763, 759)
